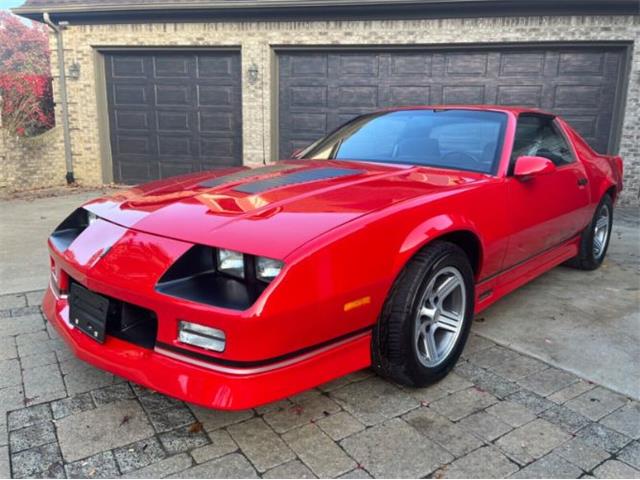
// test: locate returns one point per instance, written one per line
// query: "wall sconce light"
(74, 71)
(253, 73)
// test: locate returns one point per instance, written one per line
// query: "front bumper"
(196, 381)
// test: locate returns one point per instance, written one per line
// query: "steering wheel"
(460, 157)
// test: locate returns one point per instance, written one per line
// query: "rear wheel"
(426, 319)
(595, 238)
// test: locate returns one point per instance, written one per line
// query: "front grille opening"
(131, 323)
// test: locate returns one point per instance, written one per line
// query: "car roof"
(516, 110)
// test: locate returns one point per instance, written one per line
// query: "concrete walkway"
(25, 226)
(585, 322)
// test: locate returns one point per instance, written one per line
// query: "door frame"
(618, 113)
(102, 103)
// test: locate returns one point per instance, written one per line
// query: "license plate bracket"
(88, 312)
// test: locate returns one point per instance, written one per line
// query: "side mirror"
(527, 167)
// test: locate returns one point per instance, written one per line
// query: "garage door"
(173, 112)
(320, 90)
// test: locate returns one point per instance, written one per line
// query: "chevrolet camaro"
(374, 246)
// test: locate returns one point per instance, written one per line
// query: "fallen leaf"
(195, 427)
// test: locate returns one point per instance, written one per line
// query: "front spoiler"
(202, 385)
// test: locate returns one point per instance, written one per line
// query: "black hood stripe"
(242, 174)
(310, 175)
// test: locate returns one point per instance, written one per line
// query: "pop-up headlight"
(231, 263)
(267, 268)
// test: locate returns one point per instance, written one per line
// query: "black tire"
(588, 258)
(394, 351)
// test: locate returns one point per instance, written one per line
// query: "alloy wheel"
(601, 231)
(440, 316)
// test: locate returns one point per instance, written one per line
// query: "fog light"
(201, 336)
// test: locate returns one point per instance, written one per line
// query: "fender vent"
(296, 177)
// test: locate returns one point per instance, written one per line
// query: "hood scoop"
(303, 176)
(242, 174)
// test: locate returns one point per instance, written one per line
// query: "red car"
(374, 246)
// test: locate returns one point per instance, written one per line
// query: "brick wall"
(33, 162)
(257, 39)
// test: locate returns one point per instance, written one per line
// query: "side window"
(540, 136)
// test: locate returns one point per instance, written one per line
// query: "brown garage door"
(173, 112)
(319, 90)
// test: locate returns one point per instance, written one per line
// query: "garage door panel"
(309, 65)
(467, 64)
(173, 169)
(175, 145)
(585, 123)
(216, 122)
(215, 96)
(403, 65)
(136, 145)
(134, 170)
(308, 96)
(173, 66)
(464, 94)
(169, 112)
(517, 64)
(579, 83)
(357, 96)
(408, 95)
(128, 66)
(216, 147)
(580, 63)
(173, 121)
(173, 95)
(307, 123)
(131, 120)
(218, 67)
(578, 96)
(519, 95)
(130, 95)
(348, 65)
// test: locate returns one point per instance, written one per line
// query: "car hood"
(274, 209)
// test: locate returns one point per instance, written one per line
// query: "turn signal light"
(200, 336)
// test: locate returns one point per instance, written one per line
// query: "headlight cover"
(268, 268)
(231, 262)
(71, 228)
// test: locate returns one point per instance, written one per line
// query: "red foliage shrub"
(25, 79)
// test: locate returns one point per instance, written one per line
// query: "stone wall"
(32, 162)
(258, 39)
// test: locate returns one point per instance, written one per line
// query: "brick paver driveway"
(500, 414)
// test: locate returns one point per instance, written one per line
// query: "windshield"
(457, 139)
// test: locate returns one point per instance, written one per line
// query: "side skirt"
(492, 290)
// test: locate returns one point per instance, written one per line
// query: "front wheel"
(426, 319)
(595, 238)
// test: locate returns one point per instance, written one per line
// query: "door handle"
(583, 181)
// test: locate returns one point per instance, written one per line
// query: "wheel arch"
(454, 229)
(612, 191)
